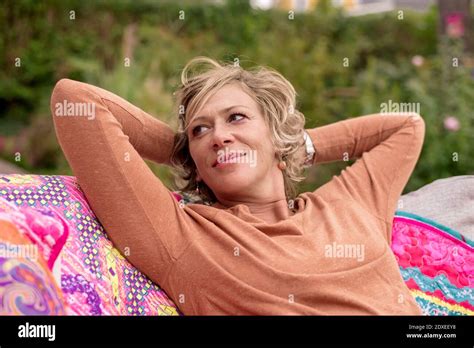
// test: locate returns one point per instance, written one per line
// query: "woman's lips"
(231, 159)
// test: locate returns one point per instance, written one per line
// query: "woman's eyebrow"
(222, 111)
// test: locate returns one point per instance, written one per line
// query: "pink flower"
(417, 60)
(451, 123)
(454, 25)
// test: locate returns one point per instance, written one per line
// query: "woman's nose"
(221, 137)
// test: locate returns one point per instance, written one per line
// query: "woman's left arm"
(388, 147)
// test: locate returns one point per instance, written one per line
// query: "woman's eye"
(197, 128)
(232, 116)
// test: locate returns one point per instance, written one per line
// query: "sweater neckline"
(280, 208)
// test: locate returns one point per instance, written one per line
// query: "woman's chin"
(231, 178)
(231, 184)
(229, 169)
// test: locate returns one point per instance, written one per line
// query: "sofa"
(56, 257)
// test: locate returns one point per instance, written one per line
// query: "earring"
(282, 165)
(198, 191)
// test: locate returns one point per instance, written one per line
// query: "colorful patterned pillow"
(27, 286)
(437, 264)
(94, 277)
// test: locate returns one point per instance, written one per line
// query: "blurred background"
(344, 57)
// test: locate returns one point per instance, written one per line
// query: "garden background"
(137, 49)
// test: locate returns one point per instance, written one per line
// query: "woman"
(254, 248)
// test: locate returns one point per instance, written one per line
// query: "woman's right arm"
(152, 138)
(104, 137)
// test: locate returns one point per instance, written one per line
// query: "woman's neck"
(268, 211)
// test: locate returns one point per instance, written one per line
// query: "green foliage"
(309, 50)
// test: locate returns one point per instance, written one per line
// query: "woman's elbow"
(73, 98)
(418, 123)
(63, 89)
(66, 92)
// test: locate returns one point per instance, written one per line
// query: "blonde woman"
(253, 248)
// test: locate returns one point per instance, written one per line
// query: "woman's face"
(231, 146)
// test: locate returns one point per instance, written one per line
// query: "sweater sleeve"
(386, 146)
(104, 138)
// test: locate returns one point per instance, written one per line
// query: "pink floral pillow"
(27, 286)
(95, 279)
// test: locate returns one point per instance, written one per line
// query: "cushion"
(27, 286)
(436, 263)
(449, 201)
(94, 277)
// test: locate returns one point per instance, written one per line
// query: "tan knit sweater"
(332, 257)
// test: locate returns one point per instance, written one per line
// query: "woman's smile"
(228, 160)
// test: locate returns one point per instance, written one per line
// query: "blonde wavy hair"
(276, 97)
